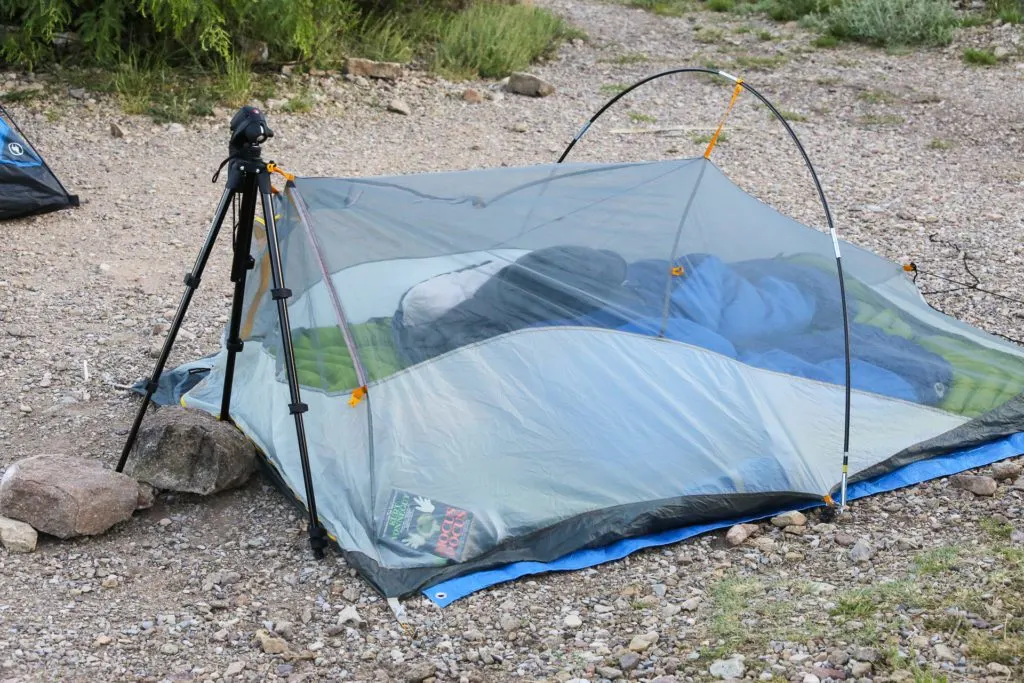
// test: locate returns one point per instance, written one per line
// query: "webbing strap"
(721, 125)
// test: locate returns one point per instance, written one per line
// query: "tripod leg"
(240, 265)
(191, 284)
(317, 534)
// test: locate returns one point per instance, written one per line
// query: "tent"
(524, 369)
(27, 185)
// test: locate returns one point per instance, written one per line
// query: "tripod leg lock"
(279, 293)
(152, 386)
(191, 281)
(235, 345)
(297, 408)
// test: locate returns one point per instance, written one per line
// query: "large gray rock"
(192, 452)
(66, 496)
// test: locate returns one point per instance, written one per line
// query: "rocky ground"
(915, 151)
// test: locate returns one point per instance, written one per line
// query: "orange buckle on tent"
(274, 168)
(910, 267)
(357, 396)
(677, 271)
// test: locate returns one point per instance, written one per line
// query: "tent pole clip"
(191, 281)
(297, 408)
(235, 345)
(279, 293)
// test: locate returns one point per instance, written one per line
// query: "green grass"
(1007, 11)
(979, 57)
(299, 104)
(721, 5)
(792, 115)
(937, 560)
(876, 96)
(668, 8)
(708, 35)
(939, 143)
(825, 42)
(828, 80)
(705, 138)
(765, 35)
(630, 58)
(996, 528)
(13, 96)
(731, 597)
(881, 120)
(637, 117)
(612, 88)
(493, 40)
(893, 22)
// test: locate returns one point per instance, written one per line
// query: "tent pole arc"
(828, 218)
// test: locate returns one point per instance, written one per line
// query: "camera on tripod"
(249, 130)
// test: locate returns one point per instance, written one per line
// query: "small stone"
(350, 615)
(367, 68)
(793, 556)
(519, 127)
(234, 668)
(845, 540)
(739, 533)
(1017, 537)
(284, 629)
(351, 594)
(859, 669)
(169, 649)
(221, 635)
(866, 654)
(1000, 52)
(509, 623)
(175, 128)
(629, 661)
(110, 582)
(811, 678)
(820, 588)
(862, 551)
(270, 644)
(999, 669)
(102, 641)
(642, 643)
(945, 652)
(306, 616)
(728, 668)
(17, 536)
(573, 621)
(399, 106)
(285, 669)
(147, 496)
(420, 672)
(690, 604)
(795, 530)
(46, 381)
(977, 484)
(792, 518)
(1019, 484)
(529, 85)
(115, 130)
(1006, 470)
(472, 96)
(25, 408)
(609, 672)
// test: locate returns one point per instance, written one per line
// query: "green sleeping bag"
(322, 360)
(983, 379)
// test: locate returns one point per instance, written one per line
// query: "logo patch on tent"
(426, 525)
(15, 149)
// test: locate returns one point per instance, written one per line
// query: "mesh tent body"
(513, 365)
(27, 185)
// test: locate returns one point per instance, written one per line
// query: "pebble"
(977, 484)
(573, 621)
(739, 533)
(728, 669)
(629, 661)
(642, 642)
(862, 551)
(1006, 470)
(169, 649)
(399, 106)
(793, 518)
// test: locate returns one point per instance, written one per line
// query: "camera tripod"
(248, 176)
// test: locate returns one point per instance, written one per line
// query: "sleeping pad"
(983, 379)
(322, 359)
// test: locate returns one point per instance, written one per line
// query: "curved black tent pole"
(824, 204)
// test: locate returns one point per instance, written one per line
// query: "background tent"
(506, 367)
(27, 185)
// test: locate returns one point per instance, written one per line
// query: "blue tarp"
(447, 592)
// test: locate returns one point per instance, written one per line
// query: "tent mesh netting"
(514, 364)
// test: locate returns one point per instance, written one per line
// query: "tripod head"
(249, 130)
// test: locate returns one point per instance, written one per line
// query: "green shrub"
(1008, 11)
(893, 22)
(791, 10)
(492, 40)
(979, 57)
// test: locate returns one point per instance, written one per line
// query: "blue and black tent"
(27, 185)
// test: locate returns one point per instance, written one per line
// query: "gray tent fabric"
(516, 363)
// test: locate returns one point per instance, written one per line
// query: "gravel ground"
(908, 146)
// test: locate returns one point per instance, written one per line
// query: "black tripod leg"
(191, 284)
(317, 534)
(240, 265)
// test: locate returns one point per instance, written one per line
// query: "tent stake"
(248, 175)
